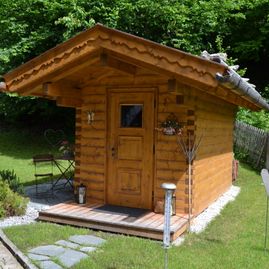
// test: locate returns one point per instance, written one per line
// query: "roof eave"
(234, 81)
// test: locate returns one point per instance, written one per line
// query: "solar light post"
(265, 179)
(169, 189)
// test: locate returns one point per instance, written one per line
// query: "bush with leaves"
(12, 180)
(258, 119)
(11, 203)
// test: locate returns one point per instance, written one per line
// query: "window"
(131, 116)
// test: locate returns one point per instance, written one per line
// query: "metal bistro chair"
(40, 171)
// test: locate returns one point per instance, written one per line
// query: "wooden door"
(130, 149)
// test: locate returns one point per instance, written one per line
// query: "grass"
(17, 148)
(233, 240)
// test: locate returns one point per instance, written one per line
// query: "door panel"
(129, 181)
(130, 149)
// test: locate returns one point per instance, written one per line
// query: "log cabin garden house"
(128, 86)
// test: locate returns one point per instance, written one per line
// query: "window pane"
(131, 116)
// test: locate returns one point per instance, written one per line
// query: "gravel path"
(37, 204)
(29, 217)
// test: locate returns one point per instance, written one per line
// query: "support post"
(265, 179)
(266, 226)
(267, 153)
(169, 190)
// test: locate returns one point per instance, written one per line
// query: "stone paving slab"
(67, 244)
(88, 249)
(49, 265)
(49, 250)
(66, 253)
(87, 240)
(37, 257)
(71, 257)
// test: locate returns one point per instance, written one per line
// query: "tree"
(30, 27)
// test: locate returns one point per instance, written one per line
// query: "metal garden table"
(66, 171)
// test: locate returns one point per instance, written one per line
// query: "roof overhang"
(88, 47)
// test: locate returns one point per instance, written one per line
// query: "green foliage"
(32, 111)
(11, 203)
(258, 119)
(240, 155)
(250, 30)
(30, 27)
(12, 180)
(265, 92)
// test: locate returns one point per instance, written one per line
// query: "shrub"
(258, 119)
(13, 181)
(240, 154)
(11, 203)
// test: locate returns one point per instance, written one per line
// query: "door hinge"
(153, 149)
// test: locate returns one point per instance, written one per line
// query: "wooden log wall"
(212, 172)
(212, 118)
(91, 144)
(198, 112)
(170, 162)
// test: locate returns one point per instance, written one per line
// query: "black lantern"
(81, 194)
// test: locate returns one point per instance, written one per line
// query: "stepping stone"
(71, 257)
(49, 265)
(67, 244)
(36, 257)
(49, 250)
(87, 240)
(88, 249)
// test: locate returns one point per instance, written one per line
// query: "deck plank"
(81, 210)
(149, 225)
(61, 209)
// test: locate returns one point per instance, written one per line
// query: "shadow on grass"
(249, 168)
(22, 145)
(214, 240)
(41, 180)
(261, 249)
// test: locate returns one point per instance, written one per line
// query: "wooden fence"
(250, 143)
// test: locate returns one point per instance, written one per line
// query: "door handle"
(113, 152)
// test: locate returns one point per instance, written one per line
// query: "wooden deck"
(126, 221)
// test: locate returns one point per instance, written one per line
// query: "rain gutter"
(234, 81)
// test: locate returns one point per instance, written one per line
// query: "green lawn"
(233, 240)
(17, 149)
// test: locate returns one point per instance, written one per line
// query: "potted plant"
(171, 125)
(67, 149)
